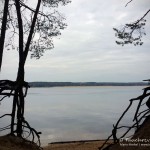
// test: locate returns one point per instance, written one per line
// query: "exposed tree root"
(138, 118)
(19, 126)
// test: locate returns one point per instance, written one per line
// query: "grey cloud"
(86, 50)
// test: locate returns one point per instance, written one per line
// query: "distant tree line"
(61, 84)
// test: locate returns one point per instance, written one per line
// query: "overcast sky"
(86, 51)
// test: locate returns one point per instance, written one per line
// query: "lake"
(76, 113)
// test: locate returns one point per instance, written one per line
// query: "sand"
(78, 145)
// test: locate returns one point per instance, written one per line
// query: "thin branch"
(31, 9)
(5, 115)
(126, 127)
(5, 128)
(142, 112)
(142, 17)
(32, 130)
(128, 3)
(3, 98)
(7, 94)
(105, 142)
(124, 113)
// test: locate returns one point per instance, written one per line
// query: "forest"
(60, 84)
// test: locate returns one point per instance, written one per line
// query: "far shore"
(83, 84)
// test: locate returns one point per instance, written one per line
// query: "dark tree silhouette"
(3, 29)
(132, 33)
(34, 28)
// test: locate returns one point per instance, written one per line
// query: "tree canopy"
(39, 25)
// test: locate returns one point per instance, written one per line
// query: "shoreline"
(82, 141)
(76, 145)
(83, 84)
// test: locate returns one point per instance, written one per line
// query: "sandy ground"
(16, 143)
(79, 145)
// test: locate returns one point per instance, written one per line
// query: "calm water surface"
(76, 113)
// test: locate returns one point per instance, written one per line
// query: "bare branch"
(128, 3)
(3, 98)
(31, 9)
(142, 17)
(5, 128)
(5, 115)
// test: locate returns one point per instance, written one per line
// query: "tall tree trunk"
(15, 100)
(18, 102)
(20, 112)
(3, 30)
(31, 30)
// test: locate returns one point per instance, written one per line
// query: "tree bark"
(3, 30)
(31, 30)
(17, 119)
(15, 99)
(20, 76)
